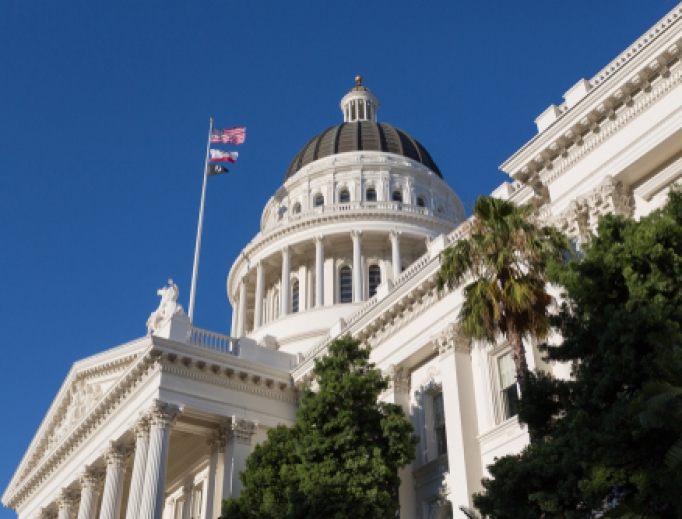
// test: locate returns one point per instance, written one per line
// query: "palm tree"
(504, 260)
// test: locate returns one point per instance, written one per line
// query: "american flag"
(235, 135)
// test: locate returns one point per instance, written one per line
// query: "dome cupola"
(359, 104)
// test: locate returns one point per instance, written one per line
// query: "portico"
(168, 434)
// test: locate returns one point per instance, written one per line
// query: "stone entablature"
(556, 148)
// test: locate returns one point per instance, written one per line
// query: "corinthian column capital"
(242, 430)
(140, 428)
(116, 455)
(162, 414)
(91, 479)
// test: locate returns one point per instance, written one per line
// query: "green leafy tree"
(266, 482)
(504, 265)
(342, 458)
(605, 439)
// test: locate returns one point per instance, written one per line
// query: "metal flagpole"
(201, 224)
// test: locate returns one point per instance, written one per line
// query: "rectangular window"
(198, 501)
(345, 285)
(508, 385)
(374, 279)
(439, 424)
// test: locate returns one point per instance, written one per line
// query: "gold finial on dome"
(358, 80)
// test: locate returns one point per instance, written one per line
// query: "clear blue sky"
(103, 121)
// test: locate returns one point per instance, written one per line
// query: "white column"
(91, 482)
(399, 393)
(239, 436)
(141, 432)
(258, 313)
(161, 418)
(395, 250)
(286, 281)
(319, 271)
(210, 490)
(187, 500)
(115, 457)
(357, 265)
(67, 505)
(219, 476)
(241, 327)
(235, 312)
(461, 421)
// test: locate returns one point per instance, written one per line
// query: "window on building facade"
(371, 194)
(345, 285)
(374, 279)
(508, 385)
(294, 297)
(197, 500)
(439, 424)
(344, 196)
(297, 208)
(318, 201)
(421, 201)
(397, 196)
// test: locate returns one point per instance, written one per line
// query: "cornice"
(611, 127)
(206, 357)
(608, 92)
(21, 489)
(80, 370)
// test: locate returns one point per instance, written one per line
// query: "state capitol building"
(160, 427)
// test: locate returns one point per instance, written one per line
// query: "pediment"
(85, 385)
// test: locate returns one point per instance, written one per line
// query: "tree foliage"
(504, 265)
(341, 459)
(605, 440)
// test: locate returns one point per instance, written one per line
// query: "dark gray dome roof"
(361, 136)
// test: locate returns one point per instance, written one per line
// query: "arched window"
(344, 196)
(421, 201)
(345, 285)
(371, 194)
(440, 208)
(318, 201)
(297, 208)
(294, 297)
(397, 196)
(374, 279)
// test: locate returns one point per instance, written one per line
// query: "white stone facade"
(160, 427)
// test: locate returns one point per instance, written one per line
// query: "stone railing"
(409, 272)
(212, 341)
(357, 315)
(364, 206)
(461, 232)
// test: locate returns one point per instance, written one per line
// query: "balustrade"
(213, 341)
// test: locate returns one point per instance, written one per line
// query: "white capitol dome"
(358, 205)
